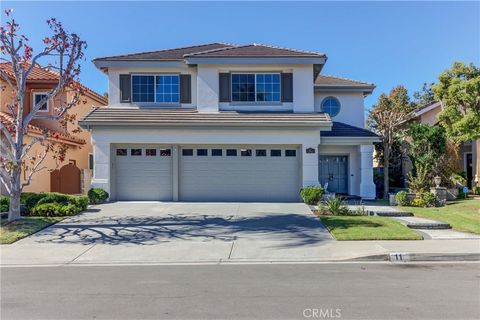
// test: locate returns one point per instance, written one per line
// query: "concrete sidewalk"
(242, 250)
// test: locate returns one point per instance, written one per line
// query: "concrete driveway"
(129, 232)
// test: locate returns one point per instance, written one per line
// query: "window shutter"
(185, 88)
(287, 87)
(224, 87)
(125, 88)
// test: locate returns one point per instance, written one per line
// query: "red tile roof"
(39, 75)
(7, 119)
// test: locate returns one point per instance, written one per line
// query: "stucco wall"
(352, 109)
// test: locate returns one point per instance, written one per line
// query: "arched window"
(331, 105)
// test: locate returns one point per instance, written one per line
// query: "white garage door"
(143, 173)
(230, 173)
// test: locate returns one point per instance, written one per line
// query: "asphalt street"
(276, 291)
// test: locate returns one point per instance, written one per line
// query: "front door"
(334, 171)
(469, 169)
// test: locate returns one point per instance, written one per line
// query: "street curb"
(420, 257)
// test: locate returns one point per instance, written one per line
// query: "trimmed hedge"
(312, 195)
(54, 209)
(97, 195)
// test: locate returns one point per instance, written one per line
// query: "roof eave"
(258, 60)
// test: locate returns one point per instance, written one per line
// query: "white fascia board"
(365, 89)
(254, 60)
(138, 64)
(348, 141)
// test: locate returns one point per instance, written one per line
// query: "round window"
(331, 105)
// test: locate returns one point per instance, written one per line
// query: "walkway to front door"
(334, 171)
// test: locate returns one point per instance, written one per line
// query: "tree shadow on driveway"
(290, 230)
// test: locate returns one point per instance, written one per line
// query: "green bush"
(54, 209)
(334, 206)
(31, 199)
(81, 202)
(461, 194)
(97, 195)
(4, 204)
(429, 199)
(51, 197)
(476, 191)
(418, 202)
(312, 195)
(402, 199)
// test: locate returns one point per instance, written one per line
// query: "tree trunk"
(14, 213)
(386, 178)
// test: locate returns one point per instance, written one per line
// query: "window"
(165, 152)
(150, 152)
(202, 152)
(261, 153)
(136, 152)
(268, 87)
(90, 161)
(187, 152)
(290, 153)
(260, 87)
(231, 152)
(331, 105)
(275, 153)
(217, 152)
(246, 152)
(156, 88)
(121, 152)
(37, 97)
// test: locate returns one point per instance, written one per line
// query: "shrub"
(80, 201)
(429, 199)
(54, 209)
(476, 191)
(4, 204)
(334, 206)
(461, 194)
(312, 195)
(51, 197)
(402, 199)
(418, 202)
(31, 199)
(97, 195)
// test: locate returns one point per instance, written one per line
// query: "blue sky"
(387, 43)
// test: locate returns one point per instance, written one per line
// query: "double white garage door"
(207, 173)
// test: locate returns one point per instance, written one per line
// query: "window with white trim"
(37, 97)
(331, 105)
(256, 87)
(156, 88)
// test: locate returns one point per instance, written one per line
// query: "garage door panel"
(143, 177)
(239, 178)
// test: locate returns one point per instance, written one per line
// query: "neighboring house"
(220, 122)
(469, 152)
(74, 174)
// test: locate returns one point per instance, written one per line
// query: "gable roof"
(340, 129)
(255, 50)
(165, 54)
(326, 80)
(41, 75)
(7, 119)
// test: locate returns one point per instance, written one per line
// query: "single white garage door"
(232, 173)
(143, 173)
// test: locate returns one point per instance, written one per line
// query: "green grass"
(368, 228)
(16, 230)
(462, 215)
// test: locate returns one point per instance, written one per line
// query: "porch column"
(476, 162)
(367, 187)
(102, 166)
(310, 165)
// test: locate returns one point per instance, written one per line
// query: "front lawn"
(462, 215)
(16, 230)
(368, 228)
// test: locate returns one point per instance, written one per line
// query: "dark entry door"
(469, 163)
(334, 170)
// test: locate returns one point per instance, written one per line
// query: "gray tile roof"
(192, 118)
(213, 50)
(325, 81)
(340, 129)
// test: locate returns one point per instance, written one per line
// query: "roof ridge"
(168, 49)
(254, 44)
(232, 46)
(291, 49)
(343, 78)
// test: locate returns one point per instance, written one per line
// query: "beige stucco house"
(73, 175)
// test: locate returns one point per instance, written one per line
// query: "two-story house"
(74, 174)
(220, 122)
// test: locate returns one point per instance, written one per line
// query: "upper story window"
(331, 105)
(156, 88)
(37, 97)
(256, 87)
